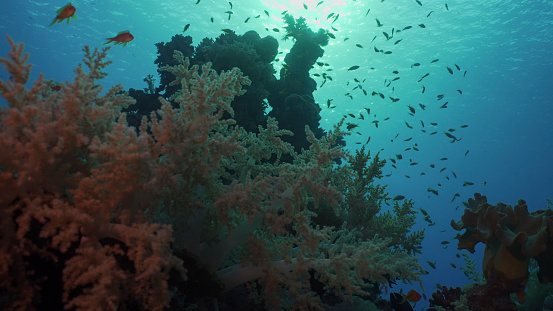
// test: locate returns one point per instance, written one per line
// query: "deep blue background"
(507, 101)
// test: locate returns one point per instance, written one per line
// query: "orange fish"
(122, 37)
(411, 296)
(65, 12)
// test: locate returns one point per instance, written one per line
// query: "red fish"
(122, 37)
(412, 296)
(65, 12)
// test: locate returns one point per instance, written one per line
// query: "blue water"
(506, 101)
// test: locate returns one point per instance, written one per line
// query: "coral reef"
(512, 236)
(445, 298)
(99, 215)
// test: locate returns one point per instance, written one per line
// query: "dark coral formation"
(290, 97)
(512, 236)
(445, 298)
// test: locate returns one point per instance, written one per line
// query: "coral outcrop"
(512, 236)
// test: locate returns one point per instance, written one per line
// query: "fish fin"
(63, 8)
(122, 32)
(55, 19)
(74, 17)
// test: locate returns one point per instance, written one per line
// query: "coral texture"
(512, 236)
(98, 215)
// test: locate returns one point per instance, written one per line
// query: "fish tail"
(109, 41)
(53, 22)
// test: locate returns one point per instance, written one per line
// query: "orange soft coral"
(512, 236)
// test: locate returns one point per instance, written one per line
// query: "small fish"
(415, 65)
(353, 68)
(444, 242)
(320, 2)
(367, 13)
(229, 14)
(418, 2)
(426, 75)
(428, 15)
(443, 159)
(456, 195)
(407, 124)
(464, 74)
(408, 139)
(446, 7)
(467, 152)
(375, 123)
(276, 30)
(454, 175)
(435, 192)
(450, 136)
(65, 12)
(378, 23)
(412, 296)
(422, 26)
(247, 19)
(266, 12)
(432, 165)
(453, 265)
(431, 264)
(230, 3)
(468, 183)
(444, 105)
(227, 31)
(425, 213)
(386, 35)
(305, 6)
(351, 126)
(197, 2)
(398, 197)
(464, 126)
(211, 19)
(407, 27)
(122, 37)
(434, 61)
(359, 45)
(449, 70)
(186, 27)
(398, 41)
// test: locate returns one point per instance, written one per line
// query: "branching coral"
(70, 208)
(100, 216)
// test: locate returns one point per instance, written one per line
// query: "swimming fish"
(353, 68)
(66, 12)
(186, 27)
(412, 296)
(122, 37)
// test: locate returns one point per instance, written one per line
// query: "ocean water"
(504, 46)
